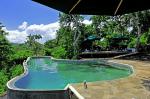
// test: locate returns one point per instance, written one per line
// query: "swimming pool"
(51, 74)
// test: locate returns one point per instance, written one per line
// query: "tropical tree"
(20, 52)
(134, 24)
(33, 44)
(5, 49)
(50, 43)
(139, 22)
(109, 27)
(99, 23)
(69, 34)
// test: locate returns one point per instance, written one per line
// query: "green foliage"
(47, 52)
(5, 49)
(21, 51)
(148, 37)
(99, 23)
(65, 39)
(4, 76)
(57, 49)
(69, 36)
(16, 70)
(21, 54)
(50, 44)
(3, 81)
(58, 52)
(9, 54)
(35, 46)
(132, 43)
(104, 43)
(143, 39)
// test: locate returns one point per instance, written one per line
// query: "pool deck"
(3, 97)
(136, 86)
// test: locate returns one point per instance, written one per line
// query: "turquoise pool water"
(47, 74)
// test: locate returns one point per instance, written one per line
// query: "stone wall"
(56, 94)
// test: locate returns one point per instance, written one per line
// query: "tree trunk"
(138, 33)
(138, 39)
(76, 37)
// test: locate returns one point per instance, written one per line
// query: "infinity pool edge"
(10, 83)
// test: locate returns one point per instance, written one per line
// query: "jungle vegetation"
(134, 27)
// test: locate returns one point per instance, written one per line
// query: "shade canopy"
(92, 38)
(97, 7)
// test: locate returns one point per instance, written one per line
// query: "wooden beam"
(118, 7)
(74, 6)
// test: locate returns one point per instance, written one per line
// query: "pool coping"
(11, 86)
(10, 83)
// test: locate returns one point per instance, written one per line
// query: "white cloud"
(87, 22)
(23, 26)
(19, 35)
(47, 31)
(16, 36)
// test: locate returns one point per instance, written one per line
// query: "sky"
(24, 17)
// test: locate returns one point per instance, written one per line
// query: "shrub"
(58, 52)
(132, 44)
(16, 70)
(3, 81)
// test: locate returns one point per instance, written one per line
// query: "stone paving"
(3, 97)
(136, 86)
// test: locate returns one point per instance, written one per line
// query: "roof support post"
(74, 6)
(118, 7)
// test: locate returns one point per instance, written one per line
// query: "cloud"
(19, 35)
(16, 36)
(47, 31)
(87, 22)
(23, 26)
